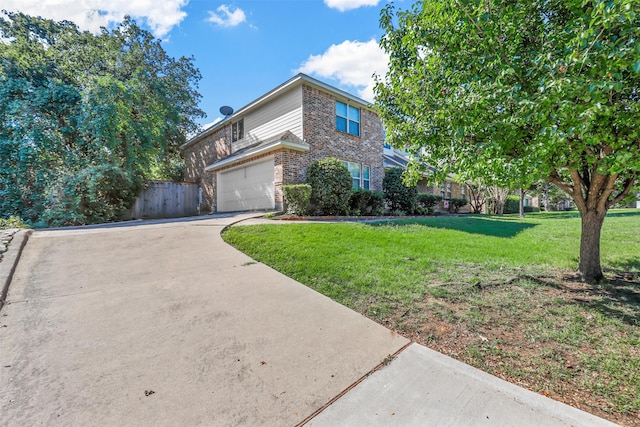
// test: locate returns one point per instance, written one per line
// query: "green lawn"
(495, 292)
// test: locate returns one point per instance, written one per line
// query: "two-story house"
(242, 162)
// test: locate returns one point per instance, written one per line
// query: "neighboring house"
(450, 189)
(242, 162)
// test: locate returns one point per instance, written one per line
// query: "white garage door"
(246, 188)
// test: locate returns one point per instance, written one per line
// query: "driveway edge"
(10, 261)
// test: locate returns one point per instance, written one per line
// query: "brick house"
(242, 162)
(450, 189)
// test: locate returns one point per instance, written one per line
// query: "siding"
(280, 115)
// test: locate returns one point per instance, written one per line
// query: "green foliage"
(330, 186)
(366, 202)
(512, 205)
(12, 222)
(516, 91)
(398, 195)
(96, 194)
(456, 203)
(74, 104)
(426, 203)
(297, 197)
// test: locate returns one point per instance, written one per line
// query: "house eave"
(292, 82)
(261, 150)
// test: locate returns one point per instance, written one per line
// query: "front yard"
(498, 293)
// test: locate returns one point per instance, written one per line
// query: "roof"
(284, 140)
(394, 161)
(297, 80)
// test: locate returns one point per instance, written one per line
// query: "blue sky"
(244, 48)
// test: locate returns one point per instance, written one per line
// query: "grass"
(495, 292)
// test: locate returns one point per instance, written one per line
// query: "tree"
(497, 197)
(546, 89)
(111, 108)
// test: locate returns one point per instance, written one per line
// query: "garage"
(248, 187)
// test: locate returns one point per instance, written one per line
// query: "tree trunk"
(546, 197)
(521, 203)
(589, 266)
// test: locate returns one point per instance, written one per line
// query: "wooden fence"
(165, 199)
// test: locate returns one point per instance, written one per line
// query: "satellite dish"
(226, 111)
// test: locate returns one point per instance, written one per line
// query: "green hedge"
(297, 198)
(366, 202)
(330, 182)
(398, 196)
(512, 205)
(426, 203)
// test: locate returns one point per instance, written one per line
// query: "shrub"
(399, 196)
(95, 195)
(12, 222)
(456, 203)
(366, 202)
(426, 203)
(529, 209)
(297, 197)
(512, 205)
(330, 182)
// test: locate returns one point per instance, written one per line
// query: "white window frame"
(360, 179)
(237, 131)
(349, 118)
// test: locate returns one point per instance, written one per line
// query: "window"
(360, 175)
(442, 191)
(347, 118)
(237, 130)
(366, 171)
(448, 191)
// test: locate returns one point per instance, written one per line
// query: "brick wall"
(200, 155)
(319, 127)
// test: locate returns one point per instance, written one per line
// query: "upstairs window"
(347, 118)
(237, 130)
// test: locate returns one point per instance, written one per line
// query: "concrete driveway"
(164, 324)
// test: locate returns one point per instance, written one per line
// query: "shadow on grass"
(625, 265)
(617, 298)
(472, 224)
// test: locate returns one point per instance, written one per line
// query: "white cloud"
(352, 63)
(344, 5)
(226, 17)
(159, 16)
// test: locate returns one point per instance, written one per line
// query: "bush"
(330, 182)
(297, 197)
(366, 202)
(95, 195)
(12, 222)
(530, 209)
(456, 203)
(512, 205)
(396, 194)
(426, 203)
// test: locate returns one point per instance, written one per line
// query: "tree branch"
(628, 185)
(554, 178)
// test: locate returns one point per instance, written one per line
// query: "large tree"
(86, 118)
(540, 89)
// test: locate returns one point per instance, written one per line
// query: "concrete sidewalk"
(164, 324)
(422, 387)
